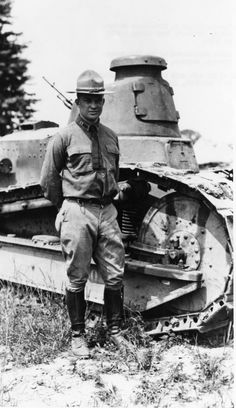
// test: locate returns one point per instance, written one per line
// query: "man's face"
(90, 106)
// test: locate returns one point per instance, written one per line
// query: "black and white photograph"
(117, 121)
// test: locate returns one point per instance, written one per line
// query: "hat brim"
(90, 92)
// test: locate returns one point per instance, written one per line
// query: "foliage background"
(15, 103)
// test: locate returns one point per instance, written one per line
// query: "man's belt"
(97, 201)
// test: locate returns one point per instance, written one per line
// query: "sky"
(195, 37)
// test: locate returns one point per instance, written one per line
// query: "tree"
(15, 102)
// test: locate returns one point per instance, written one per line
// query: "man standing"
(80, 176)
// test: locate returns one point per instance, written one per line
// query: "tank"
(176, 221)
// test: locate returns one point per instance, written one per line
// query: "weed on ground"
(172, 371)
(33, 324)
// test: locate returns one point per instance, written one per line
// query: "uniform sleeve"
(54, 162)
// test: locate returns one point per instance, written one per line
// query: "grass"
(34, 329)
(107, 394)
(33, 324)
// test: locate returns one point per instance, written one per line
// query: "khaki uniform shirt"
(76, 166)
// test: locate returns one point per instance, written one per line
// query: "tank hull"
(176, 222)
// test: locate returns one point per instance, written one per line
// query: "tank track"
(218, 192)
(14, 193)
(202, 321)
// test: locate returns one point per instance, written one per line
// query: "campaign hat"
(90, 82)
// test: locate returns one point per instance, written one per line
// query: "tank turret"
(142, 102)
(140, 109)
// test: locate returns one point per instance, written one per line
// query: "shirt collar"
(85, 124)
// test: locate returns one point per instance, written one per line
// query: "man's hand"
(133, 189)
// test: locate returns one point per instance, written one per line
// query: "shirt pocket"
(80, 160)
(113, 155)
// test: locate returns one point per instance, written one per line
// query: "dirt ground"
(180, 375)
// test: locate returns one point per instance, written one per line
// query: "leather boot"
(113, 300)
(76, 306)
